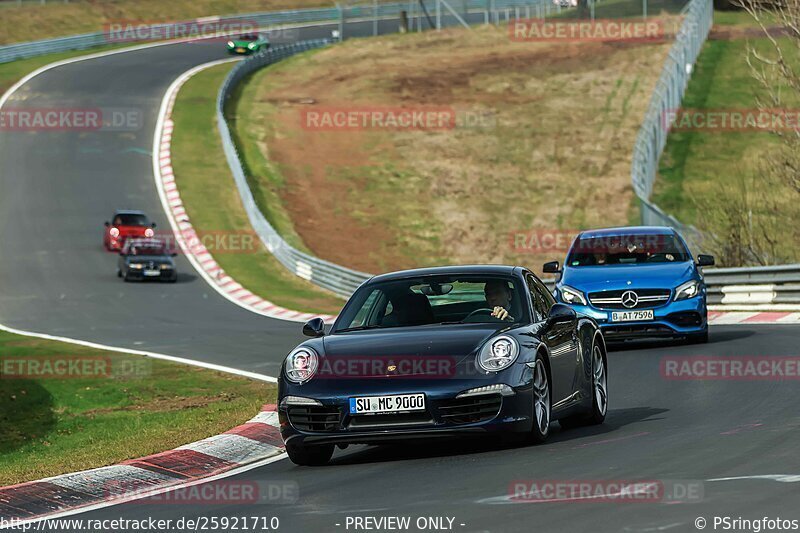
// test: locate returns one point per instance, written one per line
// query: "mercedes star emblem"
(630, 299)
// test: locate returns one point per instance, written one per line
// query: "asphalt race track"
(58, 188)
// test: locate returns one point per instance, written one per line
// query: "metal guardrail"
(775, 286)
(652, 137)
(338, 279)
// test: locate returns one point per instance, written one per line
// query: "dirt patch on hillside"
(542, 142)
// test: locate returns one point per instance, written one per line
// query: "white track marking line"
(154, 355)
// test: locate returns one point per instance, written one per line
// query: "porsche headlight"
(690, 289)
(230, 44)
(572, 296)
(301, 364)
(498, 354)
(251, 46)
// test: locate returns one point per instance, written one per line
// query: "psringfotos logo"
(600, 30)
(733, 368)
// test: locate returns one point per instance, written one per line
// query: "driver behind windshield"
(499, 297)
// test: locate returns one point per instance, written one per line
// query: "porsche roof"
(501, 270)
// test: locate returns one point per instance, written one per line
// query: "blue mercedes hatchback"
(636, 282)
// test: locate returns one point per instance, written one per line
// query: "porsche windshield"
(627, 249)
(434, 300)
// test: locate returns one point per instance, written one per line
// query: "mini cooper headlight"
(149, 232)
(498, 354)
(301, 364)
(690, 289)
(572, 296)
(114, 232)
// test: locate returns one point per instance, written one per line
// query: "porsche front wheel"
(541, 401)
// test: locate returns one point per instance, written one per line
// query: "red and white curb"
(720, 318)
(255, 441)
(190, 244)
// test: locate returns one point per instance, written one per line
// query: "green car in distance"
(249, 43)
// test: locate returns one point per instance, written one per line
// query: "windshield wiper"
(359, 328)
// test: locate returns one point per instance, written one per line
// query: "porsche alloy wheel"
(541, 401)
(599, 386)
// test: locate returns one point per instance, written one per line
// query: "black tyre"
(119, 273)
(597, 414)
(542, 397)
(310, 455)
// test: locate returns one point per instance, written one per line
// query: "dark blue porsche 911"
(442, 352)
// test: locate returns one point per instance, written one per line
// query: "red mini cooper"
(126, 224)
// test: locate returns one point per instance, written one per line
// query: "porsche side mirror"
(560, 313)
(106, 223)
(704, 260)
(551, 268)
(314, 328)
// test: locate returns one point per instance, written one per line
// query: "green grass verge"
(702, 170)
(53, 426)
(696, 160)
(213, 204)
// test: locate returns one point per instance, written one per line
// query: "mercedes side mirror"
(551, 268)
(704, 260)
(560, 313)
(314, 328)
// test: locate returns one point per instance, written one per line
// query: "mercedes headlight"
(301, 364)
(572, 296)
(498, 354)
(690, 289)
(136, 265)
